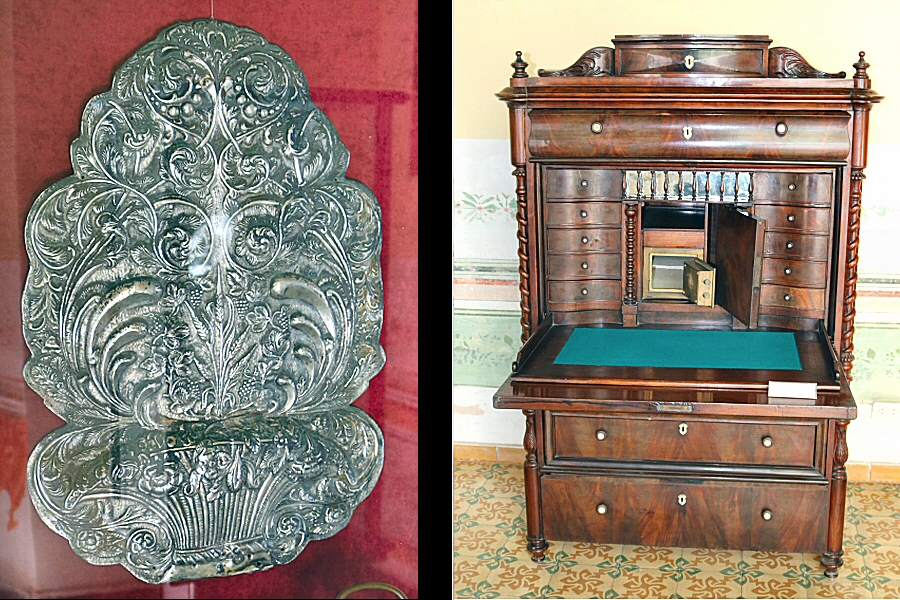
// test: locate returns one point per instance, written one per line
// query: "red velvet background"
(360, 60)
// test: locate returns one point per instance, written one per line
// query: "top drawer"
(730, 62)
(685, 440)
(642, 134)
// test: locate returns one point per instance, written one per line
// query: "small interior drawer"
(690, 514)
(795, 272)
(592, 290)
(584, 266)
(792, 297)
(792, 188)
(580, 214)
(583, 240)
(684, 440)
(794, 218)
(566, 184)
(796, 245)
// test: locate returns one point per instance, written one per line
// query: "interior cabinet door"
(738, 252)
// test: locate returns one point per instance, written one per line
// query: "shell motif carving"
(203, 303)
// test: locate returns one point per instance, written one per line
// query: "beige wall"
(552, 34)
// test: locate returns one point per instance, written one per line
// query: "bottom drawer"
(707, 514)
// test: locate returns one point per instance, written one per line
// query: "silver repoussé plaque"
(203, 303)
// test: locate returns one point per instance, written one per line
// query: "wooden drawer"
(702, 441)
(795, 272)
(792, 297)
(583, 240)
(795, 245)
(714, 514)
(566, 184)
(591, 290)
(584, 266)
(794, 218)
(580, 214)
(730, 62)
(792, 188)
(644, 134)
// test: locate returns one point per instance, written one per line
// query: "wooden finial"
(519, 66)
(861, 67)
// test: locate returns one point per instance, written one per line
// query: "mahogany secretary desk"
(628, 163)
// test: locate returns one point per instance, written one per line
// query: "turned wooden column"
(517, 147)
(535, 536)
(835, 549)
(857, 165)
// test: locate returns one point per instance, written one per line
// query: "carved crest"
(784, 62)
(593, 63)
(204, 302)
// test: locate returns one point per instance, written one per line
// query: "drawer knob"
(790, 245)
(584, 291)
(584, 240)
(767, 442)
(583, 213)
(792, 218)
(584, 265)
(792, 186)
(682, 499)
(687, 131)
(601, 435)
(781, 128)
(788, 270)
(787, 297)
(584, 183)
(682, 429)
(767, 515)
(601, 509)
(596, 126)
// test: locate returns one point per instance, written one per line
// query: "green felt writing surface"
(756, 350)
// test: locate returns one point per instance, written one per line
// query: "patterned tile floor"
(490, 559)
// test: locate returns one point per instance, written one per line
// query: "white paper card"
(792, 389)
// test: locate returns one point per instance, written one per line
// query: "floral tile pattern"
(490, 558)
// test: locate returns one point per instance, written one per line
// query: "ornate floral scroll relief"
(204, 302)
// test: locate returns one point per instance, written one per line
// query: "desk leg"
(536, 542)
(832, 560)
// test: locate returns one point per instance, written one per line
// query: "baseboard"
(856, 472)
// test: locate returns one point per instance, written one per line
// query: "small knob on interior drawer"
(781, 128)
(792, 187)
(584, 265)
(767, 442)
(601, 509)
(584, 183)
(596, 126)
(584, 291)
(601, 435)
(792, 218)
(584, 240)
(767, 515)
(790, 245)
(583, 213)
(788, 270)
(787, 297)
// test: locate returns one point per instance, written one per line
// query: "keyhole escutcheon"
(682, 429)
(682, 499)
(687, 131)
